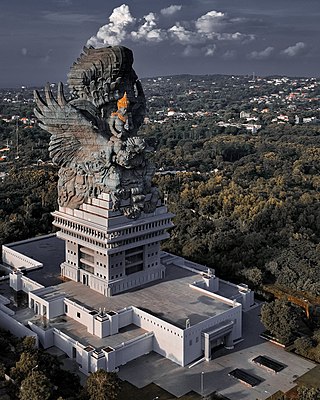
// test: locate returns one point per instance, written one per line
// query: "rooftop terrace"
(171, 299)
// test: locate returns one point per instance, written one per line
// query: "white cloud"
(24, 51)
(210, 50)
(196, 51)
(229, 54)
(171, 10)
(260, 55)
(116, 30)
(210, 22)
(292, 51)
(190, 51)
(184, 36)
(149, 31)
(236, 36)
(206, 31)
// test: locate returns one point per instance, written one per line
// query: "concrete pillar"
(86, 360)
(229, 341)
(211, 283)
(110, 355)
(98, 361)
(16, 280)
(114, 322)
(207, 347)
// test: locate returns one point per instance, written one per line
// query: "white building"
(123, 297)
(109, 252)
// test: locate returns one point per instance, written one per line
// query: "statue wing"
(74, 132)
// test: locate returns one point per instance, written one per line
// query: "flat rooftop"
(79, 333)
(50, 251)
(170, 299)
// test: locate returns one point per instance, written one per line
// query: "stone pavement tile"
(178, 384)
(146, 369)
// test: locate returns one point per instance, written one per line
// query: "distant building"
(245, 114)
(253, 128)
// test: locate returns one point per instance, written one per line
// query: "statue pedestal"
(109, 252)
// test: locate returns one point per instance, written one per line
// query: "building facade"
(109, 252)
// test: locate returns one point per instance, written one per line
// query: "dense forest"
(27, 196)
(245, 204)
(248, 205)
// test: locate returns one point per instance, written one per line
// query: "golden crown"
(123, 102)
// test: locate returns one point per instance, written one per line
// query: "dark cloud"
(41, 39)
(65, 18)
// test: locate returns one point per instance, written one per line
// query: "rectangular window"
(78, 315)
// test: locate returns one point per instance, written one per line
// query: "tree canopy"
(102, 385)
(281, 320)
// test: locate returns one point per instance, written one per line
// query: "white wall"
(80, 314)
(16, 259)
(20, 282)
(66, 344)
(125, 317)
(45, 336)
(192, 335)
(133, 349)
(6, 309)
(56, 308)
(15, 327)
(168, 339)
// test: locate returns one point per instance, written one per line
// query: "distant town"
(235, 103)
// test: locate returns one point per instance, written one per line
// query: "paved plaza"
(181, 380)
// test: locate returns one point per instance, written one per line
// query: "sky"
(40, 39)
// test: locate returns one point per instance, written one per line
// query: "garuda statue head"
(94, 137)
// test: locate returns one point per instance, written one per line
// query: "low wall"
(15, 327)
(168, 339)
(45, 336)
(133, 349)
(6, 309)
(17, 260)
(206, 292)
(21, 282)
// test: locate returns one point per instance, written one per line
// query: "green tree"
(27, 363)
(35, 387)
(306, 393)
(253, 275)
(68, 384)
(281, 319)
(102, 385)
(28, 344)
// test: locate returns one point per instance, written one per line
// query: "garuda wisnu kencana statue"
(94, 134)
